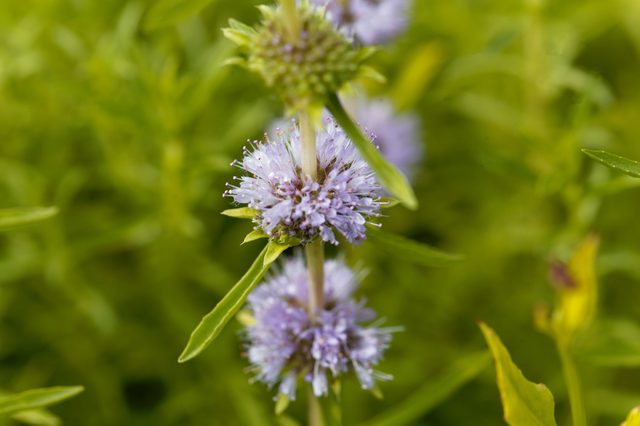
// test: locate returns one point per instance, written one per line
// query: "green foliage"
(524, 403)
(36, 398)
(14, 218)
(616, 162)
(633, 419)
(388, 175)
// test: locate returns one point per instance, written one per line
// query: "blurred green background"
(129, 130)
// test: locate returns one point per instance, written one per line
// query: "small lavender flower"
(368, 21)
(284, 343)
(291, 205)
(397, 135)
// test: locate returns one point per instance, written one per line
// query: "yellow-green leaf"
(256, 234)
(170, 12)
(634, 418)
(13, 218)
(578, 301)
(38, 417)
(409, 250)
(625, 165)
(212, 324)
(274, 250)
(36, 398)
(524, 403)
(388, 175)
(241, 213)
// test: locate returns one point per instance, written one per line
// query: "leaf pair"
(212, 324)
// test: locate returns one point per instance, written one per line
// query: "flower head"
(291, 205)
(369, 21)
(284, 343)
(303, 69)
(396, 135)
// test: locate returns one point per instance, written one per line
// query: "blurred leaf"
(37, 418)
(281, 403)
(433, 392)
(213, 323)
(388, 175)
(169, 12)
(13, 218)
(330, 409)
(613, 343)
(417, 73)
(524, 403)
(625, 165)
(37, 398)
(634, 418)
(241, 213)
(409, 250)
(578, 299)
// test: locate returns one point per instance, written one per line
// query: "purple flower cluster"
(368, 21)
(291, 205)
(284, 343)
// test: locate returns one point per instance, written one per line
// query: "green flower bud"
(303, 68)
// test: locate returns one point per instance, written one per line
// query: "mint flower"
(284, 344)
(292, 206)
(368, 21)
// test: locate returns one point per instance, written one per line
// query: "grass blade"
(37, 398)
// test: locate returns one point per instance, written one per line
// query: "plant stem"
(308, 139)
(573, 384)
(315, 414)
(315, 269)
(290, 13)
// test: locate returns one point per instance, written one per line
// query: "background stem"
(573, 384)
(315, 414)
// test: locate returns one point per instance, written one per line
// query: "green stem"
(308, 139)
(574, 387)
(315, 414)
(315, 266)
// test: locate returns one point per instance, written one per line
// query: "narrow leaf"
(169, 12)
(13, 218)
(241, 213)
(634, 418)
(409, 250)
(213, 323)
(433, 392)
(274, 250)
(625, 165)
(39, 417)
(37, 398)
(256, 234)
(524, 403)
(388, 175)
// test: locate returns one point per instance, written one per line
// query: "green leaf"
(388, 175)
(256, 234)
(330, 408)
(281, 404)
(13, 218)
(39, 417)
(36, 398)
(524, 403)
(241, 213)
(634, 418)
(212, 324)
(169, 12)
(612, 343)
(434, 392)
(274, 250)
(625, 165)
(409, 250)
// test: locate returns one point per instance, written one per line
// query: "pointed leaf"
(213, 323)
(524, 403)
(433, 392)
(634, 418)
(409, 250)
(39, 417)
(388, 175)
(625, 165)
(241, 213)
(13, 218)
(37, 398)
(256, 234)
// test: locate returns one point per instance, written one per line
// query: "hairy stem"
(573, 384)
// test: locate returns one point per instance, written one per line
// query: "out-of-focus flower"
(284, 343)
(344, 197)
(397, 135)
(368, 21)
